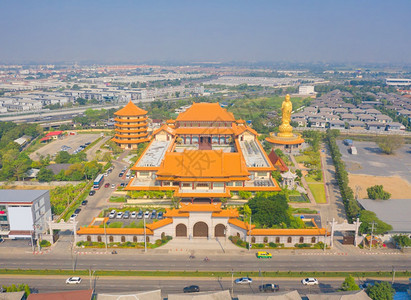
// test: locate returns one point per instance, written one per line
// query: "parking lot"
(69, 142)
(137, 220)
(371, 161)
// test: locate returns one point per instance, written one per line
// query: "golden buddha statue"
(286, 130)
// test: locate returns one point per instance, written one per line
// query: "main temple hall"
(204, 155)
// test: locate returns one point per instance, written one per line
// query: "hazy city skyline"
(198, 31)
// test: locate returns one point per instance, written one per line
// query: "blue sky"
(191, 31)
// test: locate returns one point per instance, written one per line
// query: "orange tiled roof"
(203, 163)
(213, 207)
(214, 194)
(241, 224)
(99, 230)
(130, 141)
(131, 120)
(166, 129)
(131, 125)
(240, 129)
(309, 231)
(206, 112)
(285, 141)
(159, 223)
(130, 110)
(204, 130)
(226, 213)
(175, 213)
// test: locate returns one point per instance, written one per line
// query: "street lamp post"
(91, 278)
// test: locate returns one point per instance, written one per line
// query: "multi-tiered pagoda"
(131, 126)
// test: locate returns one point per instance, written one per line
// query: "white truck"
(353, 150)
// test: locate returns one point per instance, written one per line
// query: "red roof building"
(277, 162)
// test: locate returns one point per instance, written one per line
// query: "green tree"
(402, 240)
(389, 144)
(349, 284)
(377, 192)
(62, 157)
(45, 175)
(367, 218)
(381, 291)
(270, 209)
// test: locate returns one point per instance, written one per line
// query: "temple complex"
(205, 154)
(131, 126)
(285, 139)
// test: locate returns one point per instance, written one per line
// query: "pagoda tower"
(130, 126)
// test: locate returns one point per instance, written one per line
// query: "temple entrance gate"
(181, 230)
(219, 230)
(200, 229)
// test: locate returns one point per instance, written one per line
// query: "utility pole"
(393, 275)
(372, 231)
(232, 283)
(105, 233)
(249, 244)
(145, 235)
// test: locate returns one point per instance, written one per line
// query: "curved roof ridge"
(130, 110)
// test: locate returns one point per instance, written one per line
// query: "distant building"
(398, 81)
(306, 90)
(23, 212)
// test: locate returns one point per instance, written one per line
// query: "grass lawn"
(302, 158)
(310, 179)
(318, 192)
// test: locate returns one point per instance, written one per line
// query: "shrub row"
(352, 208)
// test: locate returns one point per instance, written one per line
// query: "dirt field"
(398, 187)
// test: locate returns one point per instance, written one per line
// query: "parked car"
(122, 184)
(77, 211)
(133, 215)
(243, 280)
(264, 254)
(107, 185)
(366, 285)
(126, 214)
(73, 280)
(120, 174)
(88, 143)
(309, 281)
(146, 214)
(348, 142)
(113, 186)
(269, 287)
(153, 215)
(112, 214)
(84, 202)
(191, 289)
(140, 214)
(119, 215)
(73, 217)
(160, 215)
(91, 193)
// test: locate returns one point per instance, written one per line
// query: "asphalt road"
(226, 262)
(170, 285)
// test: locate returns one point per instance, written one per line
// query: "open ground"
(72, 141)
(396, 186)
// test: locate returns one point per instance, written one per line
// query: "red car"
(107, 185)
